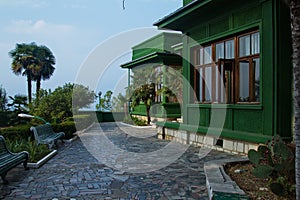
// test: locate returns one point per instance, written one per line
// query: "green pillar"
(164, 70)
(128, 103)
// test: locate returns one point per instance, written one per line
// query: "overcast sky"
(72, 29)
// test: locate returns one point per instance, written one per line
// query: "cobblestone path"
(74, 173)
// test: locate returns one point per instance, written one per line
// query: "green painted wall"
(185, 2)
(244, 122)
(159, 43)
(161, 110)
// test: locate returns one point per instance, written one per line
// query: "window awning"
(156, 57)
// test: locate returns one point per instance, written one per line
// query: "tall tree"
(3, 99)
(23, 62)
(44, 66)
(105, 103)
(142, 89)
(295, 28)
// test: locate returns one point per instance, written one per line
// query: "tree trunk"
(295, 27)
(38, 88)
(29, 88)
(148, 114)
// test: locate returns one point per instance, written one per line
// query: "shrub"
(83, 120)
(135, 121)
(36, 152)
(10, 118)
(16, 132)
(68, 127)
(277, 161)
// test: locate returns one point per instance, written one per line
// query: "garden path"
(74, 173)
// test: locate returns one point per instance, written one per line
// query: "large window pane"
(222, 84)
(207, 55)
(229, 49)
(256, 67)
(200, 85)
(244, 46)
(219, 51)
(255, 43)
(244, 82)
(201, 56)
(208, 83)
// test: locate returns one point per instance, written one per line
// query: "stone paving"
(75, 173)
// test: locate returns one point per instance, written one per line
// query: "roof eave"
(171, 21)
(152, 57)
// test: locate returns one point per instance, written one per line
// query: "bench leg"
(50, 145)
(25, 165)
(4, 179)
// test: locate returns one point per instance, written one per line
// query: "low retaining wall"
(220, 144)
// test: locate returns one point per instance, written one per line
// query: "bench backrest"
(3, 147)
(41, 130)
(44, 129)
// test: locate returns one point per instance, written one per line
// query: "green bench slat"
(44, 134)
(8, 160)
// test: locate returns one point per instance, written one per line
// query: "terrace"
(75, 173)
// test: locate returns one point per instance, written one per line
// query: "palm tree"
(295, 28)
(35, 62)
(3, 99)
(19, 102)
(23, 62)
(44, 66)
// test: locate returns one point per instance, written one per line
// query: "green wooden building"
(237, 60)
(153, 58)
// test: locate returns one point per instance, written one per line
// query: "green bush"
(275, 160)
(10, 118)
(68, 127)
(35, 152)
(134, 121)
(16, 132)
(83, 121)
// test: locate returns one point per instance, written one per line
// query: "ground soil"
(255, 187)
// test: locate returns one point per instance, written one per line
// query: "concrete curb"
(42, 161)
(139, 127)
(219, 184)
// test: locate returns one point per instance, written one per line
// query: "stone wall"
(221, 144)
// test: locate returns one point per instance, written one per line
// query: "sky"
(73, 30)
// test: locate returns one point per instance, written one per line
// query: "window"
(228, 71)
(249, 68)
(158, 85)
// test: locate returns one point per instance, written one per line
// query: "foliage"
(35, 152)
(35, 62)
(44, 66)
(10, 118)
(134, 121)
(15, 132)
(68, 127)
(172, 87)
(19, 102)
(118, 103)
(142, 89)
(82, 97)
(105, 103)
(83, 121)
(3, 99)
(57, 106)
(275, 160)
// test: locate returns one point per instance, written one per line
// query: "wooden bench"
(9, 160)
(44, 134)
